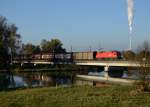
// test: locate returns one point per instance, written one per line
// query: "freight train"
(73, 56)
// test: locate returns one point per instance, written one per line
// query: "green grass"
(83, 96)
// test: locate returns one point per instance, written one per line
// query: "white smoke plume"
(130, 10)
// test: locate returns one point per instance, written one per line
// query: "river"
(34, 79)
(46, 79)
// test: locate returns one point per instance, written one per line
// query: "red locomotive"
(108, 55)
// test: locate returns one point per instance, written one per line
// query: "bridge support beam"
(106, 69)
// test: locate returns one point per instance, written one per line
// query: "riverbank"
(83, 96)
(48, 68)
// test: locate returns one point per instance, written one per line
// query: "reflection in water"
(101, 74)
(41, 79)
(32, 80)
(6, 81)
(18, 81)
(132, 74)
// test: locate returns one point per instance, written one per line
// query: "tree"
(143, 57)
(36, 49)
(44, 45)
(3, 49)
(54, 45)
(128, 55)
(9, 41)
(14, 41)
(28, 49)
(143, 51)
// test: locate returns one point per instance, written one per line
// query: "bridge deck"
(110, 63)
(88, 62)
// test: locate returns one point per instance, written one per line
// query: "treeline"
(142, 53)
(11, 44)
(54, 45)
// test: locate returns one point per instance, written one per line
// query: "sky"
(80, 24)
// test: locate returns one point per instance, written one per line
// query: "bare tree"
(143, 57)
(128, 55)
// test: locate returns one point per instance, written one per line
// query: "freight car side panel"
(83, 55)
(47, 56)
(63, 56)
(36, 56)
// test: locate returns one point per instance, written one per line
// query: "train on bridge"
(103, 55)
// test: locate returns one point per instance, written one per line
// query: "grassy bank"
(84, 96)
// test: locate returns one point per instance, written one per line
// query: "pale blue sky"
(79, 23)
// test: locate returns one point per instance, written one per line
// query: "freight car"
(42, 56)
(63, 57)
(83, 55)
(52, 57)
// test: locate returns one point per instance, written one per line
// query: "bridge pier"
(106, 69)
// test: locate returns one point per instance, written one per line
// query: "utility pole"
(71, 49)
(99, 46)
(90, 48)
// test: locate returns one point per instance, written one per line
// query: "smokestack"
(130, 9)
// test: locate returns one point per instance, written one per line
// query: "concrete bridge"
(86, 62)
(98, 63)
